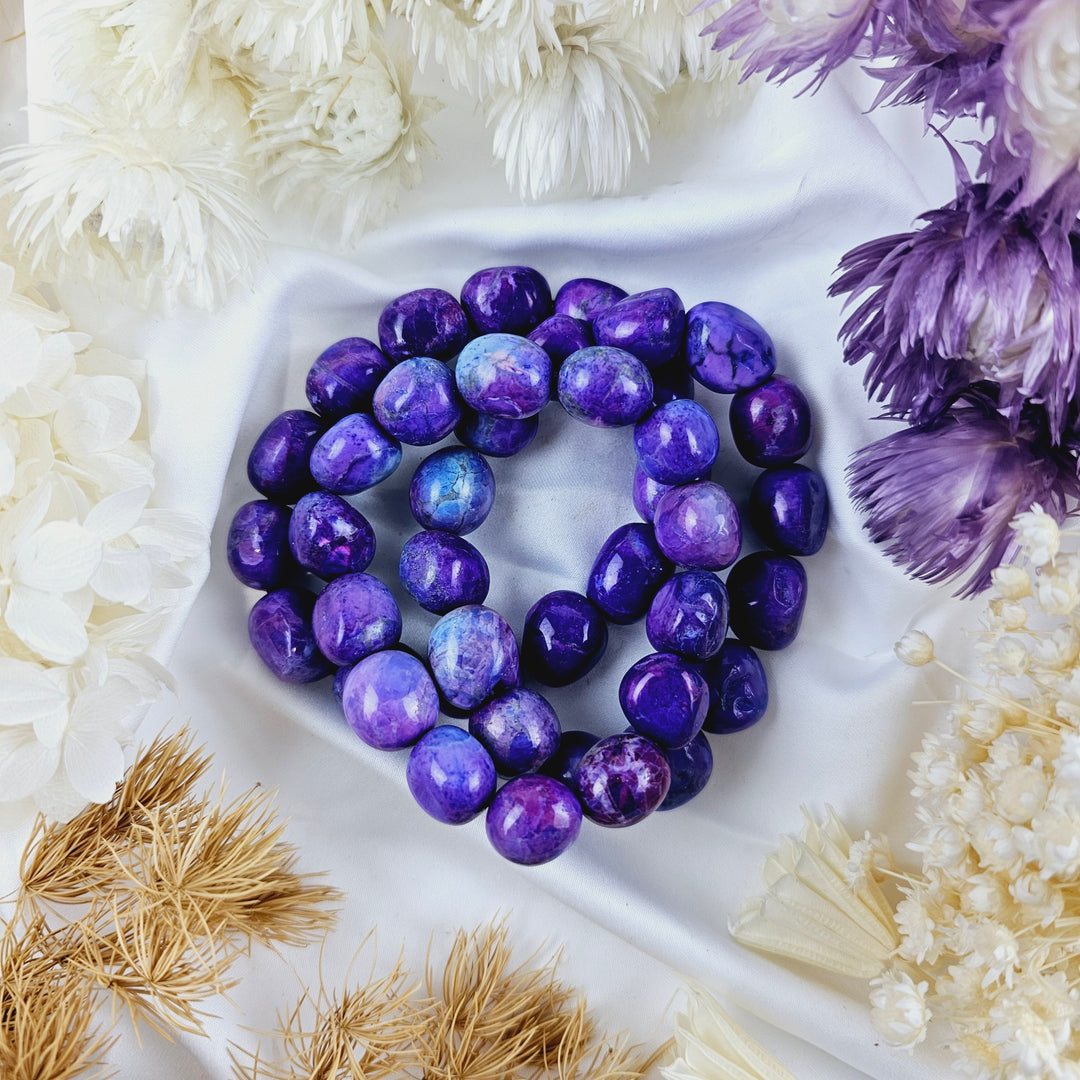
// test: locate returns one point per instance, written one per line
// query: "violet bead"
(441, 571)
(258, 545)
(355, 615)
(562, 765)
(354, 455)
(417, 402)
(738, 689)
(726, 350)
(278, 463)
(560, 337)
(605, 387)
(504, 375)
(672, 381)
(691, 767)
(677, 442)
(452, 489)
(340, 676)
(789, 509)
(622, 779)
(389, 699)
(768, 594)
(344, 376)
(494, 435)
(506, 299)
(689, 615)
(584, 298)
(330, 537)
(563, 639)
(771, 423)
(627, 572)
(697, 525)
(450, 775)
(279, 627)
(473, 655)
(425, 322)
(520, 731)
(665, 698)
(533, 820)
(647, 493)
(648, 324)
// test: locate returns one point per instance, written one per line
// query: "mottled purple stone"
(496, 436)
(738, 689)
(605, 387)
(441, 571)
(533, 820)
(691, 767)
(344, 376)
(627, 572)
(504, 375)
(559, 337)
(789, 509)
(563, 639)
(768, 594)
(672, 381)
(648, 324)
(647, 493)
(697, 525)
(425, 322)
(506, 299)
(258, 545)
(418, 402)
(689, 615)
(452, 489)
(473, 655)
(340, 676)
(389, 699)
(726, 350)
(355, 615)
(585, 297)
(771, 423)
(278, 463)
(330, 537)
(562, 765)
(622, 779)
(354, 455)
(450, 775)
(520, 730)
(279, 627)
(665, 698)
(677, 442)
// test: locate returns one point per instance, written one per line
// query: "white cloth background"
(757, 213)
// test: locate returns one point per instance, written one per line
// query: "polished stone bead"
(495, 435)
(453, 490)
(425, 322)
(665, 699)
(677, 442)
(647, 493)
(354, 455)
(726, 350)
(355, 615)
(389, 699)
(771, 424)
(562, 765)
(622, 779)
(340, 676)
(519, 729)
(418, 402)
(506, 299)
(584, 298)
(473, 655)
(441, 571)
(697, 525)
(627, 572)
(278, 463)
(789, 509)
(330, 537)
(689, 615)
(533, 820)
(561, 336)
(279, 627)
(738, 689)
(605, 387)
(343, 378)
(504, 375)
(258, 545)
(450, 775)
(672, 381)
(691, 767)
(564, 637)
(768, 594)
(648, 324)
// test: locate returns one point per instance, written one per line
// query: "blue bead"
(677, 442)
(665, 698)
(559, 337)
(726, 350)
(417, 401)
(505, 376)
(425, 322)
(473, 655)
(767, 592)
(258, 545)
(691, 767)
(354, 455)
(355, 615)
(627, 572)
(584, 298)
(344, 376)
(450, 775)
(506, 299)
(564, 637)
(533, 820)
(441, 571)
(605, 387)
(789, 509)
(738, 689)
(278, 465)
(689, 615)
(562, 765)
(494, 435)
(520, 731)
(452, 490)
(279, 627)
(330, 537)
(772, 423)
(648, 324)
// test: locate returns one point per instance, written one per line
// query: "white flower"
(917, 929)
(915, 648)
(868, 858)
(1059, 651)
(1056, 593)
(1020, 791)
(1028, 1040)
(1007, 615)
(1008, 656)
(1055, 841)
(1011, 582)
(1038, 535)
(898, 1008)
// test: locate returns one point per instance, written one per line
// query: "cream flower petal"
(59, 557)
(94, 764)
(98, 414)
(46, 624)
(25, 764)
(117, 514)
(20, 346)
(123, 577)
(27, 693)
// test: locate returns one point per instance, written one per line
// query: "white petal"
(20, 346)
(9, 443)
(60, 557)
(58, 800)
(25, 765)
(181, 534)
(46, 625)
(94, 763)
(123, 577)
(117, 514)
(99, 414)
(27, 692)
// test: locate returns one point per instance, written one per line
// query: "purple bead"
(506, 299)
(279, 627)
(738, 689)
(622, 779)
(564, 637)
(452, 489)
(343, 378)
(278, 463)
(258, 545)
(355, 615)
(417, 402)
(533, 820)
(697, 525)
(389, 699)
(605, 387)
(340, 676)
(585, 297)
(426, 322)
(726, 350)
(559, 337)
(627, 573)
(450, 775)
(330, 537)
(441, 571)
(672, 381)
(677, 442)
(473, 655)
(648, 324)
(562, 765)
(768, 594)
(647, 493)
(520, 731)
(495, 435)
(665, 698)
(504, 375)
(689, 615)
(691, 767)
(789, 509)
(354, 455)
(771, 424)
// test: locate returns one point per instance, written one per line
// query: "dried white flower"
(1011, 582)
(1057, 593)
(915, 648)
(1008, 615)
(1038, 535)
(1028, 1040)
(898, 1008)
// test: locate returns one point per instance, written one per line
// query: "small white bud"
(1011, 582)
(915, 648)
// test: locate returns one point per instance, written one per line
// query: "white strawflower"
(898, 1008)
(1057, 593)
(918, 929)
(1038, 535)
(1011, 582)
(1027, 1040)
(915, 648)
(1021, 791)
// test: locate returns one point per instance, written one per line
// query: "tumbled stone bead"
(767, 592)
(278, 463)
(258, 545)
(355, 615)
(563, 763)
(559, 337)
(344, 376)
(473, 655)
(533, 820)
(279, 627)
(564, 637)
(771, 424)
(627, 572)
(330, 537)
(697, 525)
(789, 509)
(672, 381)
(519, 729)
(450, 775)
(506, 299)
(418, 402)
(389, 699)
(691, 767)
(605, 387)
(452, 489)
(425, 322)
(677, 442)
(496, 436)
(584, 298)
(689, 615)
(504, 375)
(354, 455)
(647, 493)
(648, 324)
(441, 571)
(726, 350)
(738, 689)
(665, 699)
(622, 779)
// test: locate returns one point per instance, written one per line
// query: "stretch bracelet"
(483, 369)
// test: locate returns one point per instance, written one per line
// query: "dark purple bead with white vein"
(771, 424)
(697, 525)
(533, 820)
(789, 509)
(677, 442)
(389, 699)
(689, 615)
(258, 545)
(329, 536)
(279, 626)
(452, 489)
(691, 767)
(726, 350)
(563, 639)
(504, 375)
(605, 387)
(648, 324)
(495, 435)
(627, 572)
(665, 698)
(354, 455)
(562, 765)
(344, 376)
(519, 729)
(450, 775)
(418, 402)
(473, 654)
(767, 592)
(647, 493)
(622, 779)
(442, 571)
(738, 689)
(278, 463)
(584, 298)
(425, 322)
(355, 615)
(506, 299)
